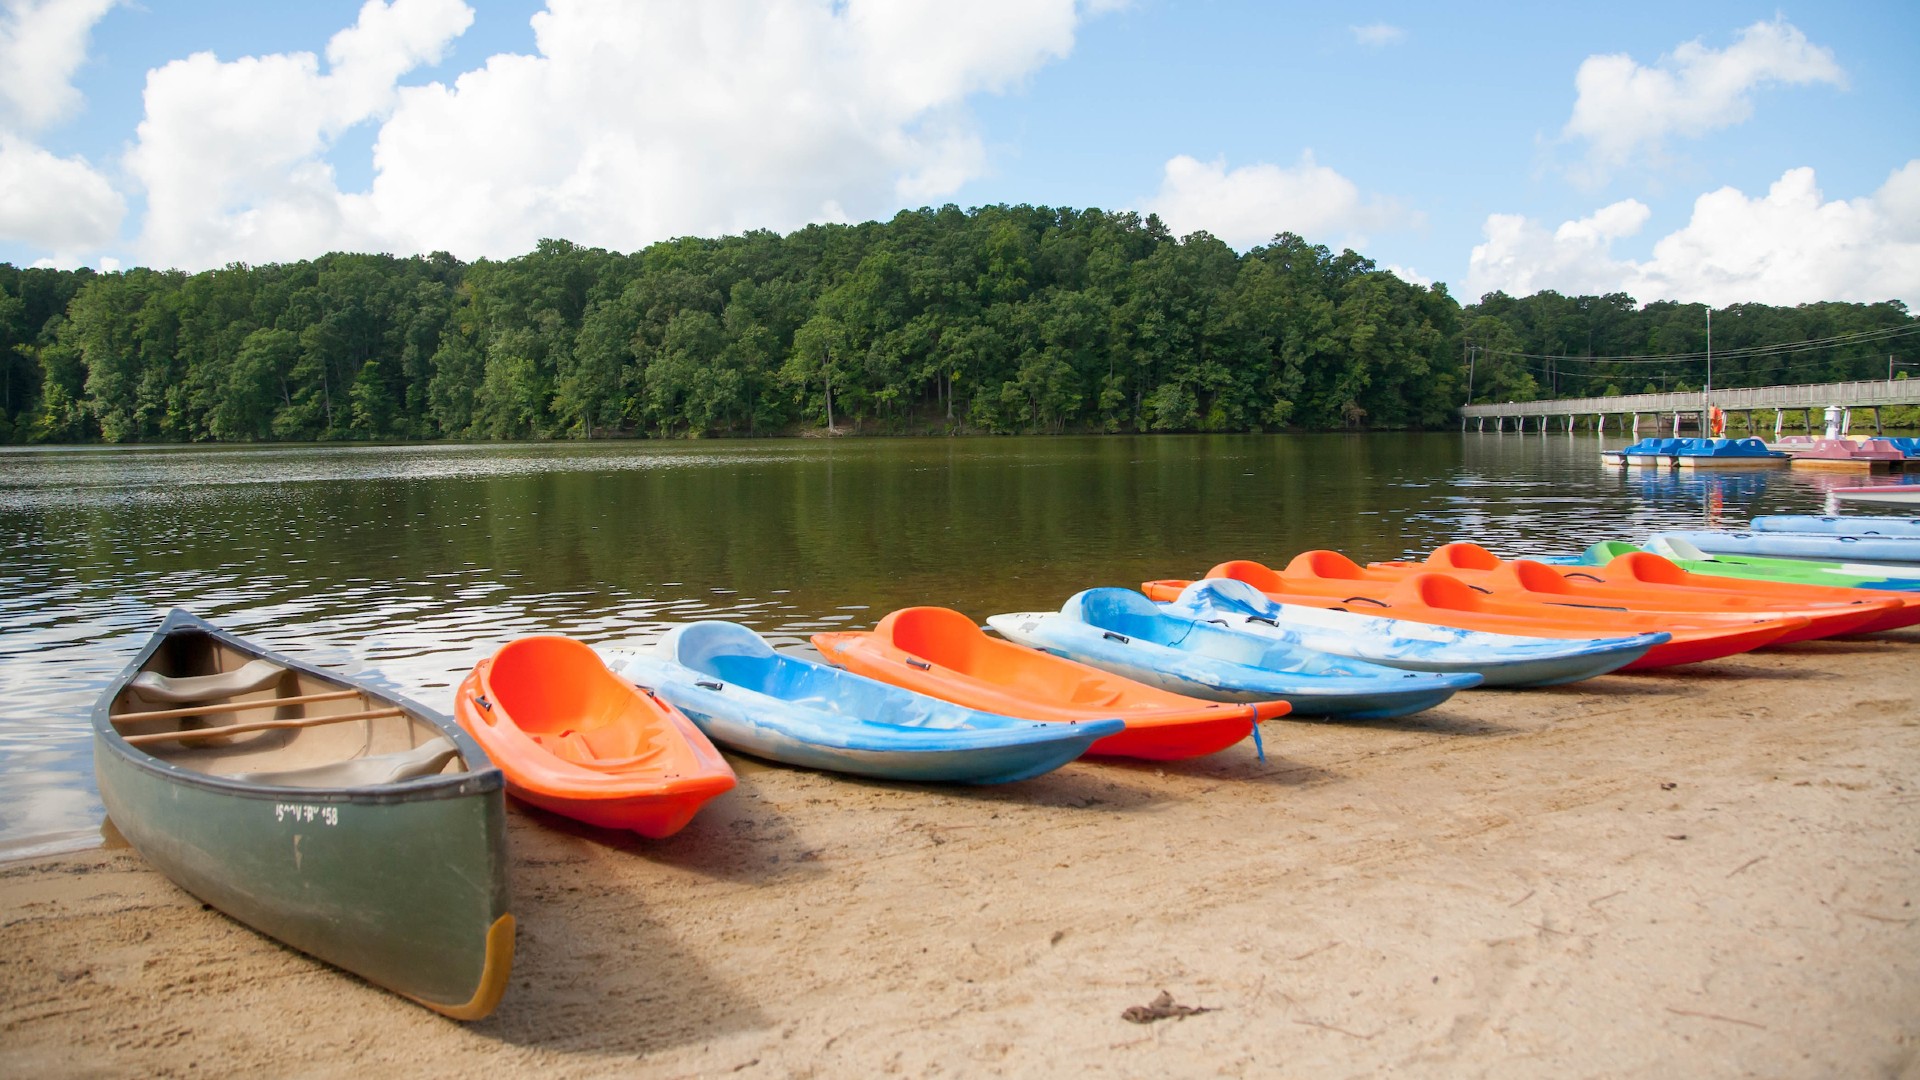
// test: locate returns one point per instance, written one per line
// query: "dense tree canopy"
(1001, 319)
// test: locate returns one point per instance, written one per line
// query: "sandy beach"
(1703, 873)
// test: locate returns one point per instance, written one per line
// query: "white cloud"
(1623, 108)
(230, 152)
(633, 122)
(1378, 35)
(52, 203)
(1786, 247)
(1250, 204)
(42, 43)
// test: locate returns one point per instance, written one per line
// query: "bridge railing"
(1806, 396)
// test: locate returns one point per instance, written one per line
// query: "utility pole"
(1706, 398)
(1473, 351)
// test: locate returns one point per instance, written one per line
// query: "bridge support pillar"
(1877, 432)
(1779, 418)
(1636, 427)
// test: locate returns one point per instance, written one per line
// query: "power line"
(1889, 333)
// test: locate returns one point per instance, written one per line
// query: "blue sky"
(1703, 151)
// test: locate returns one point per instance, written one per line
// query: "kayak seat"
(1325, 564)
(423, 760)
(1094, 693)
(254, 675)
(602, 746)
(1463, 556)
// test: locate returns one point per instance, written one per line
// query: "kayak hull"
(1120, 631)
(1895, 550)
(944, 654)
(1502, 660)
(781, 708)
(1447, 601)
(575, 739)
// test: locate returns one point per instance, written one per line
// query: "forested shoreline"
(997, 320)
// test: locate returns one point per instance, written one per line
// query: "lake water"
(410, 563)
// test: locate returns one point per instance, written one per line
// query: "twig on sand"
(1162, 1008)
(1315, 952)
(1341, 1030)
(1524, 899)
(1715, 1016)
(1744, 865)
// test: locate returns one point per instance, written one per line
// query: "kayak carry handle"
(1262, 618)
(1364, 600)
(1111, 636)
(709, 684)
(1589, 577)
(914, 661)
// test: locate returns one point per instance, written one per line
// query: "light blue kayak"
(747, 697)
(1121, 631)
(1897, 550)
(1500, 659)
(1863, 525)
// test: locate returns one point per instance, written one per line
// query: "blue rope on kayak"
(1258, 749)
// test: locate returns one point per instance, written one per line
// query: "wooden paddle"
(258, 725)
(235, 706)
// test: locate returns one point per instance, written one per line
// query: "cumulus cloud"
(230, 153)
(631, 122)
(1622, 108)
(1786, 247)
(1250, 204)
(1378, 35)
(42, 43)
(58, 204)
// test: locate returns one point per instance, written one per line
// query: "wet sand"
(1709, 873)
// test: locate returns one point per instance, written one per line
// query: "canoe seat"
(423, 760)
(255, 675)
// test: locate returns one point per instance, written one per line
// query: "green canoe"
(348, 822)
(1754, 567)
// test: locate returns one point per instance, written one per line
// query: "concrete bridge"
(1671, 411)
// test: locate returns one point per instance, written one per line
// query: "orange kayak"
(1329, 579)
(1530, 580)
(578, 740)
(942, 653)
(1662, 577)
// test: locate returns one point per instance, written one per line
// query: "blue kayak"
(1500, 659)
(1863, 525)
(1121, 631)
(1899, 550)
(747, 697)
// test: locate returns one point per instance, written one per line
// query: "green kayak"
(1755, 567)
(348, 822)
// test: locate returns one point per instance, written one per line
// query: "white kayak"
(1850, 525)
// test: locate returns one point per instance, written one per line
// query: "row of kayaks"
(287, 796)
